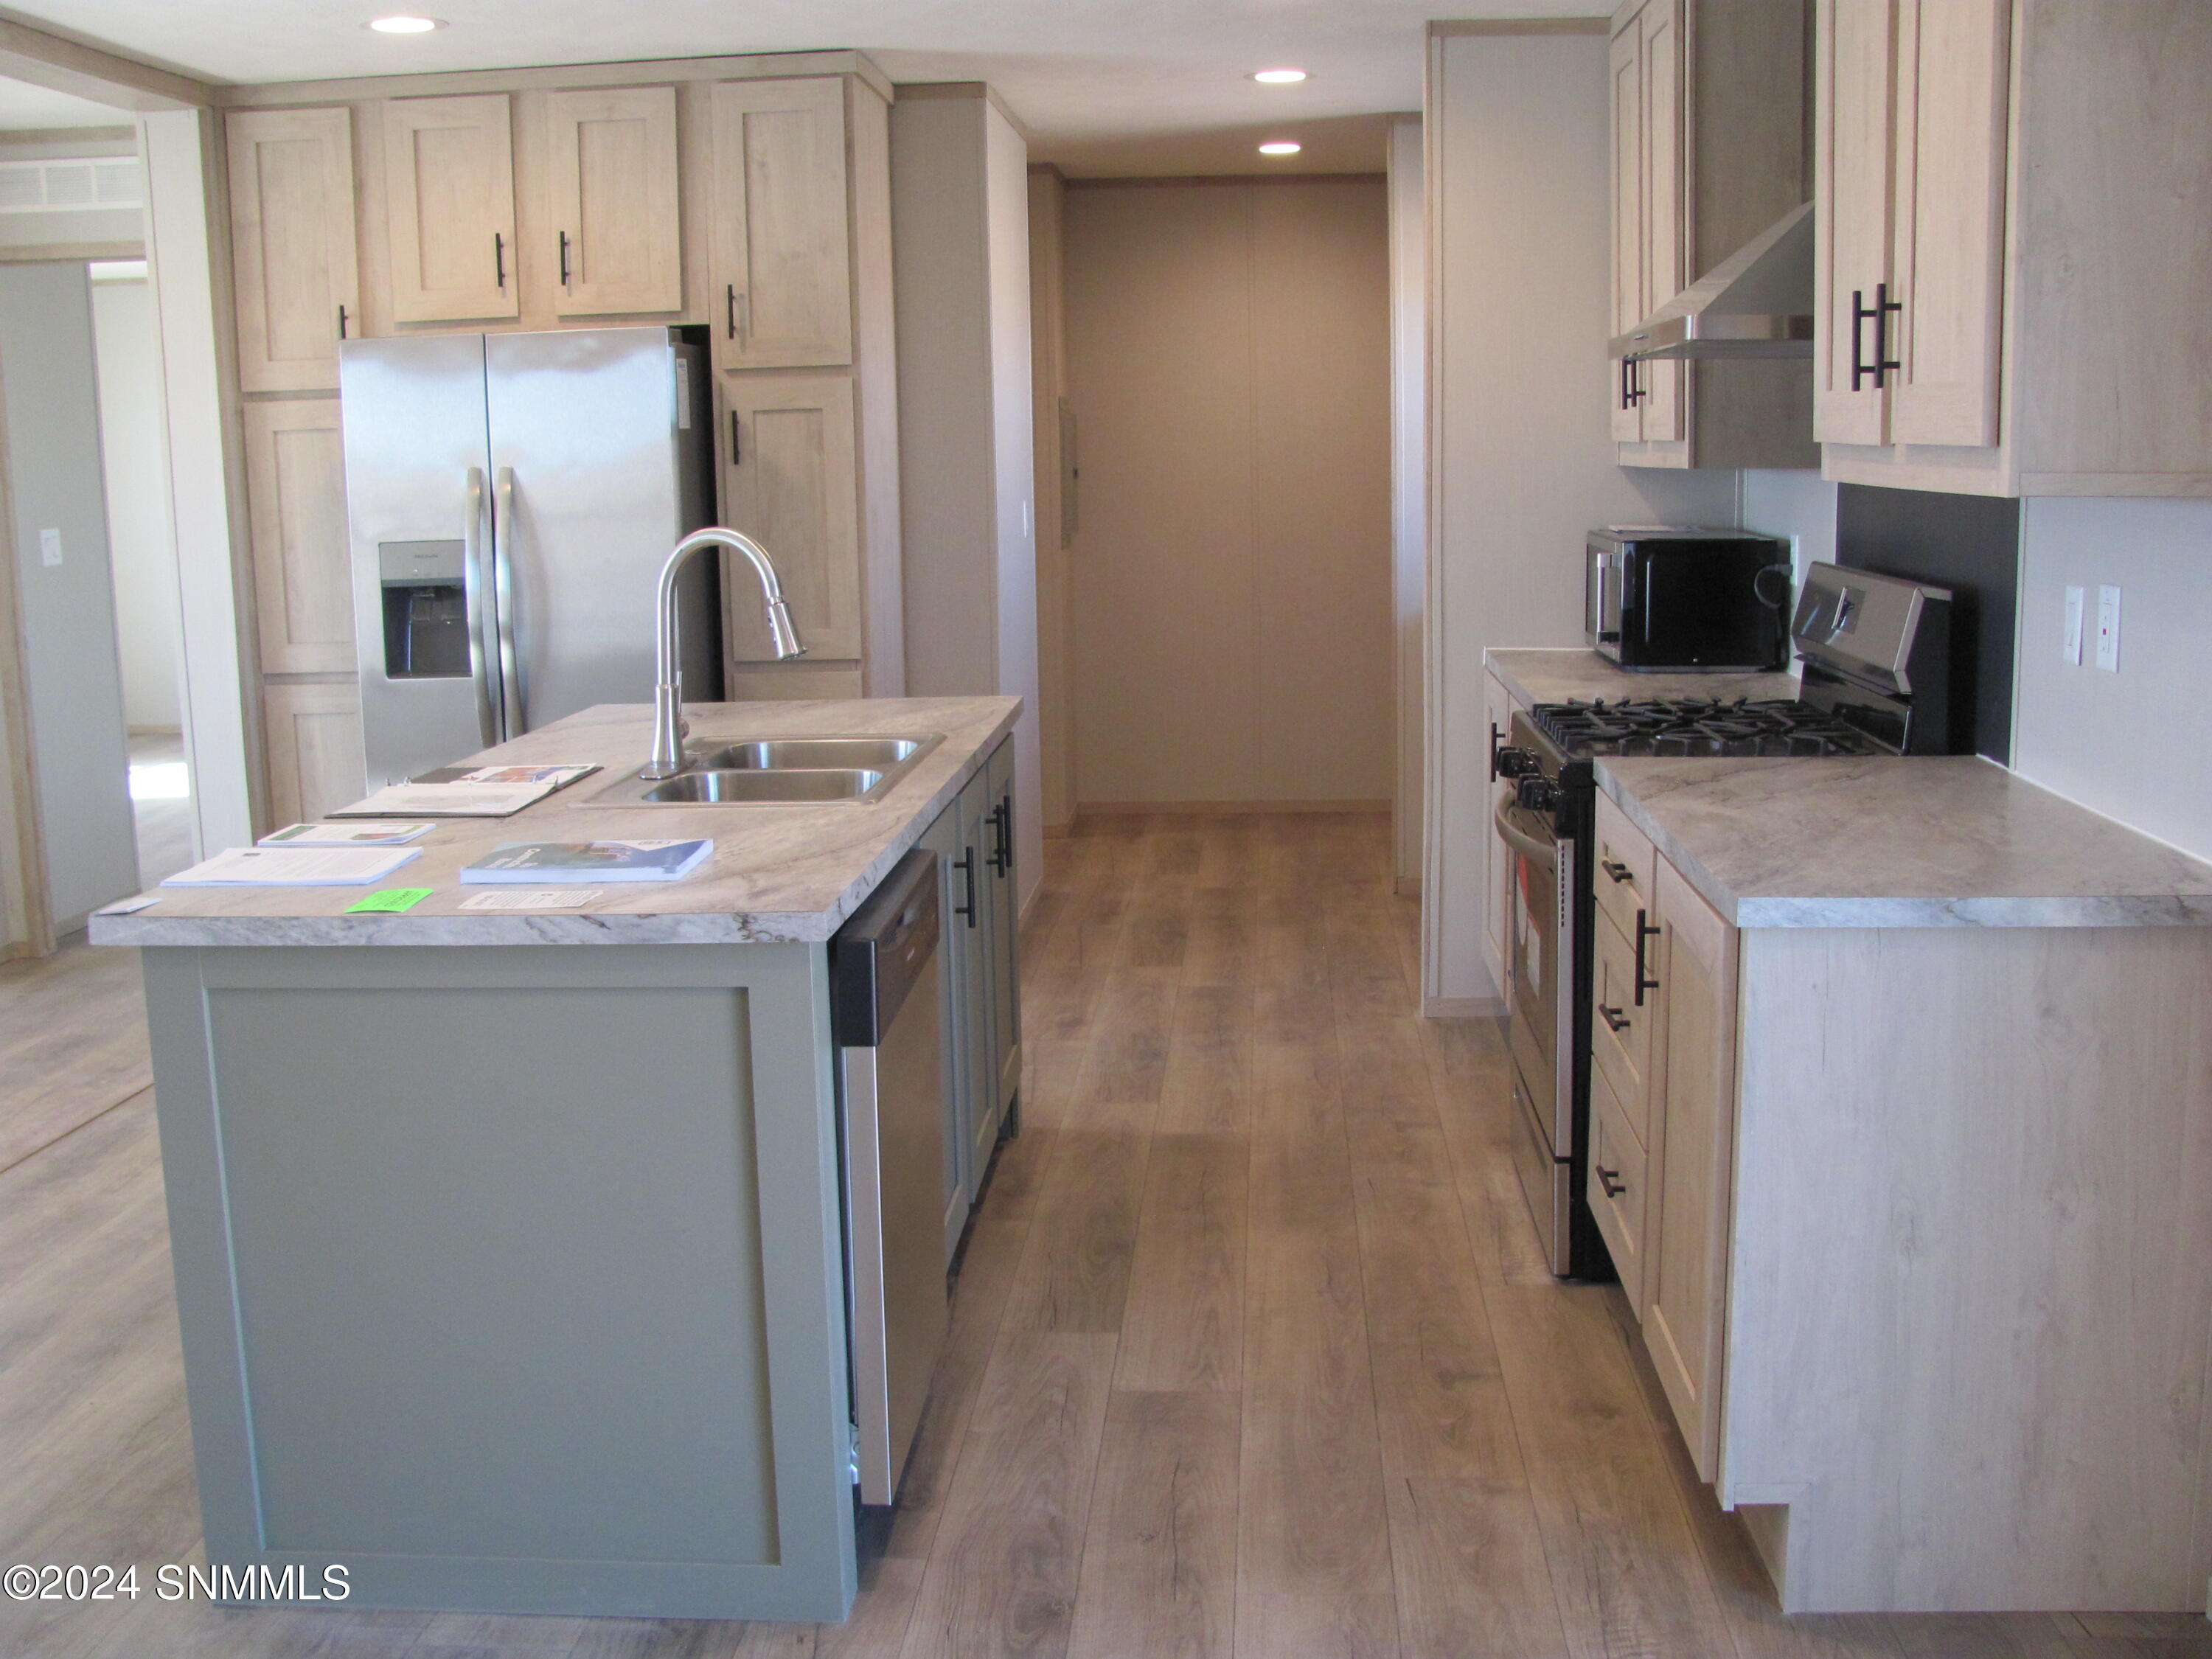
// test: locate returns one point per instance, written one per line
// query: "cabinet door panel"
(1664, 256)
(295, 500)
(943, 838)
(1617, 1189)
(782, 265)
(1625, 67)
(314, 750)
(980, 1103)
(1497, 709)
(793, 486)
(1685, 1274)
(1006, 930)
(292, 242)
(615, 201)
(449, 197)
(1953, 60)
(1855, 93)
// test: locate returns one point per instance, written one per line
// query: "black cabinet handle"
(1616, 869)
(1636, 392)
(1877, 313)
(1002, 836)
(342, 322)
(1644, 980)
(735, 456)
(729, 308)
(1611, 1181)
(1493, 752)
(564, 258)
(1614, 1017)
(499, 257)
(967, 867)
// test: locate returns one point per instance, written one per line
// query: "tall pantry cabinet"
(746, 196)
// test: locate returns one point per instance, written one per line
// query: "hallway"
(1251, 1351)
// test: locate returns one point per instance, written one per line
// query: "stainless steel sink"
(777, 772)
(792, 754)
(724, 786)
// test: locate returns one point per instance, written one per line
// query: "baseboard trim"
(1225, 808)
(1463, 1007)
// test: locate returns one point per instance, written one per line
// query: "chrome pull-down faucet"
(668, 727)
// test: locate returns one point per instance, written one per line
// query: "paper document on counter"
(589, 860)
(467, 791)
(295, 867)
(345, 835)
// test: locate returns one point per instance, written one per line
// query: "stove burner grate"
(1699, 727)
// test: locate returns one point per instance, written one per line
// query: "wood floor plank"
(1469, 1566)
(1207, 1087)
(72, 1043)
(659, 1639)
(1074, 1270)
(1159, 1557)
(1002, 1578)
(1223, 935)
(1183, 1323)
(1979, 1636)
(877, 1629)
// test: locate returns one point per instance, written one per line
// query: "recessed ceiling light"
(1280, 77)
(1283, 148)
(405, 25)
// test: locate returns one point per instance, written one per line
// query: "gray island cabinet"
(508, 1246)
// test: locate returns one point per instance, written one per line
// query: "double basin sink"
(777, 772)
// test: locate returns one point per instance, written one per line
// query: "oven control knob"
(1516, 762)
(1537, 794)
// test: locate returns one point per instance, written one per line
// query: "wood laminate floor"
(1251, 1353)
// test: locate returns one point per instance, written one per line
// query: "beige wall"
(1228, 364)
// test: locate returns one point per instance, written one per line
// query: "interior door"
(586, 509)
(1855, 114)
(1953, 59)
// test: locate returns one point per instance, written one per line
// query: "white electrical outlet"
(49, 547)
(2069, 642)
(2108, 629)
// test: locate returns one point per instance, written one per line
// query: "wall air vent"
(101, 185)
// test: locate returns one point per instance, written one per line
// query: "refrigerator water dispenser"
(426, 611)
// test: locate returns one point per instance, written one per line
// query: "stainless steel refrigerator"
(512, 498)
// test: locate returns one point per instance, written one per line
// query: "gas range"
(1875, 680)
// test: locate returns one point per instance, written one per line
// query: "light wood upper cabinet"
(1661, 402)
(297, 277)
(788, 473)
(1912, 104)
(783, 295)
(1625, 72)
(616, 221)
(449, 201)
(1693, 1127)
(295, 500)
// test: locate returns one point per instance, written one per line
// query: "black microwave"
(1696, 600)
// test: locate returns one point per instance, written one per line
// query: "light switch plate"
(49, 547)
(2069, 642)
(2108, 629)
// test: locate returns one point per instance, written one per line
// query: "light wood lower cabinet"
(296, 509)
(789, 481)
(313, 732)
(1497, 857)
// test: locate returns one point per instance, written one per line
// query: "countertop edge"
(507, 929)
(1906, 910)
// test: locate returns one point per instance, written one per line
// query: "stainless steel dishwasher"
(884, 1003)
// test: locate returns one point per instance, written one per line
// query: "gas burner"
(1698, 727)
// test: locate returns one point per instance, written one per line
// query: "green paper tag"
(393, 899)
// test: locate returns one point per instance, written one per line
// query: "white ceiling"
(25, 106)
(1087, 77)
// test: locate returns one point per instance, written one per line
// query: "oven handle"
(1544, 853)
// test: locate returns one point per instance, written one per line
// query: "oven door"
(1539, 966)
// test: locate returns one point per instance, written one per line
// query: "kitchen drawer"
(1620, 1030)
(1622, 867)
(1616, 1188)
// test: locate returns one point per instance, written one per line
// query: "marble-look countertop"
(1901, 841)
(778, 874)
(1535, 677)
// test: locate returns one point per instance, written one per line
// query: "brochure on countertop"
(345, 835)
(467, 791)
(295, 867)
(589, 860)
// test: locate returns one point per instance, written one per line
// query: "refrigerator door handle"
(473, 597)
(513, 721)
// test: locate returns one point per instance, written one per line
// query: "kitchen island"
(508, 1247)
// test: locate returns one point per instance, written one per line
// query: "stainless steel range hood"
(1756, 303)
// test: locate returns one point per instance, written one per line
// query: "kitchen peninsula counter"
(511, 1274)
(779, 872)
